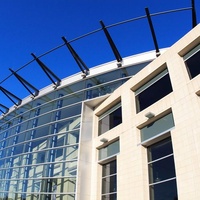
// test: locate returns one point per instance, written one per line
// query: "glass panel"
(110, 168)
(193, 64)
(110, 121)
(109, 197)
(151, 82)
(39, 132)
(109, 150)
(36, 145)
(44, 119)
(161, 125)
(160, 149)
(109, 179)
(164, 191)
(57, 197)
(70, 111)
(73, 98)
(67, 139)
(109, 184)
(18, 149)
(70, 153)
(69, 124)
(162, 170)
(35, 172)
(153, 93)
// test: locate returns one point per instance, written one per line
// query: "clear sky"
(36, 26)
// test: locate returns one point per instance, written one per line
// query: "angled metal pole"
(47, 71)
(76, 57)
(9, 95)
(4, 107)
(112, 44)
(26, 84)
(152, 32)
(194, 17)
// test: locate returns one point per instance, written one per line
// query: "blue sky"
(36, 26)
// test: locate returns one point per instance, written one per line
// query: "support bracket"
(26, 84)
(47, 71)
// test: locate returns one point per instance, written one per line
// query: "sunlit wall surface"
(39, 142)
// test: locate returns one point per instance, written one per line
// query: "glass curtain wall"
(39, 141)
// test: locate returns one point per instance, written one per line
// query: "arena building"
(127, 129)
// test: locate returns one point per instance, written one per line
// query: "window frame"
(189, 55)
(103, 193)
(151, 174)
(147, 85)
(162, 130)
(107, 113)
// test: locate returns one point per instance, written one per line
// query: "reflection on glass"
(162, 176)
(112, 118)
(162, 169)
(109, 197)
(164, 191)
(109, 179)
(109, 184)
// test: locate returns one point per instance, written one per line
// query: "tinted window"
(193, 65)
(162, 176)
(153, 93)
(112, 118)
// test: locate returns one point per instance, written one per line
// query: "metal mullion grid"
(40, 106)
(68, 95)
(39, 178)
(159, 182)
(38, 151)
(39, 164)
(44, 137)
(169, 155)
(60, 193)
(50, 123)
(48, 136)
(69, 193)
(51, 111)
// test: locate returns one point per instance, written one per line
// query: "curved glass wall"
(39, 141)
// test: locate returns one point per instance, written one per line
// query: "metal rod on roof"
(111, 42)
(152, 32)
(76, 57)
(47, 71)
(26, 84)
(194, 17)
(4, 107)
(9, 95)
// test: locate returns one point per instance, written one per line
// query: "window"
(110, 118)
(109, 151)
(109, 181)
(192, 61)
(107, 156)
(157, 128)
(162, 176)
(153, 90)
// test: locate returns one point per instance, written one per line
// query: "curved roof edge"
(97, 70)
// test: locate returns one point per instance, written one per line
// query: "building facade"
(122, 132)
(146, 133)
